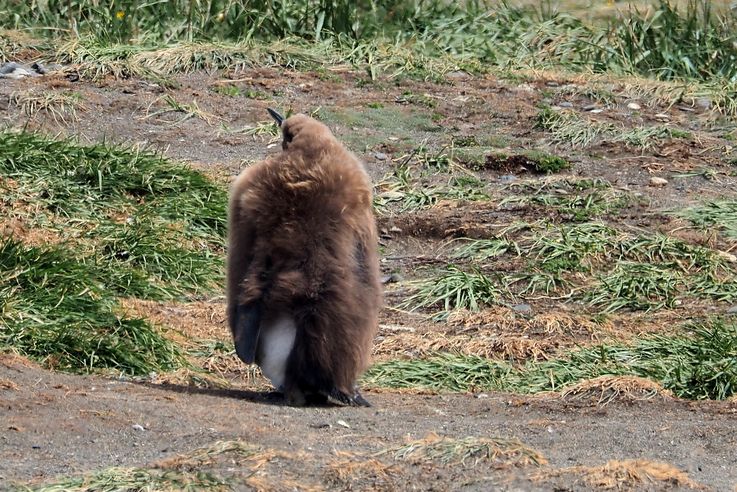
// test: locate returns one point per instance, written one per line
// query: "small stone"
(343, 423)
(596, 111)
(662, 116)
(391, 279)
(481, 395)
(138, 427)
(457, 74)
(551, 83)
(380, 156)
(703, 102)
(633, 106)
(732, 310)
(566, 104)
(522, 308)
(395, 229)
(656, 181)
(590, 107)
(508, 178)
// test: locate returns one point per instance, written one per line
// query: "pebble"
(138, 427)
(522, 308)
(566, 104)
(508, 178)
(391, 279)
(634, 106)
(590, 107)
(662, 116)
(703, 102)
(656, 181)
(596, 111)
(380, 156)
(732, 310)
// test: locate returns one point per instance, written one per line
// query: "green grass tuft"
(719, 214)
(120, 222)
(702, 365)
(454, 288)
(56, 309)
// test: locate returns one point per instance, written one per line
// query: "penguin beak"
(277, 117)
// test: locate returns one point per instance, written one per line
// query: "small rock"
(590, 107)
(732, 310)
(596, 111)
(138, 427)
(508, 178)
(656, 181)
(703, 102)
(380, 156)
(566, 104)
(551, 83)
(633, 106)
(662, 116)
(522, 308)
(343, 423)
(481, 395)
(457, 74)
(391, 279)
(395, 229)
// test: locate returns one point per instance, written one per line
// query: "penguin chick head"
(301, 133)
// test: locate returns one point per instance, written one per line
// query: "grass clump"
(157, 226)
(454, 288)
(568, 127)
(467, 452)
(719, 214)
(637, 286)
(60, 311)
(699, 365)
(121, 222)
(119, 479)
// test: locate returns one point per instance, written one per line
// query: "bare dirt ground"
(60, 425)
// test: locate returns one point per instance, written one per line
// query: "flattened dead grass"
(196, 320)
(626, 475)
(235, 452)
(355, 468)
(549, 323)
(482, 345)
(603, 390)
(467, 452)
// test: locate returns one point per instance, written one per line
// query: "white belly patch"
(275, 343)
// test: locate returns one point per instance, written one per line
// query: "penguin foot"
(356, 400)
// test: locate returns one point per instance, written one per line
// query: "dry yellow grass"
(605, 389)
(236, 452)
(467, 452)
(355, 468)
(626, 475)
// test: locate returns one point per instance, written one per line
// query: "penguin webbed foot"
(356, 400)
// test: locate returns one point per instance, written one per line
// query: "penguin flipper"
(247, 328)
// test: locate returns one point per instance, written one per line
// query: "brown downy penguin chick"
(303, 268)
